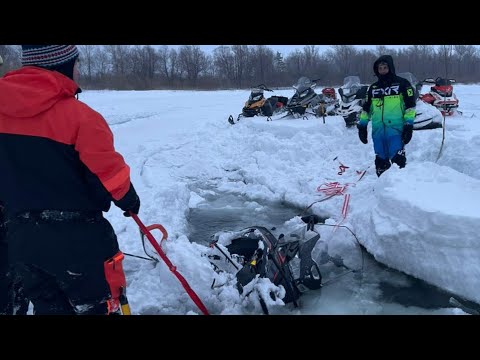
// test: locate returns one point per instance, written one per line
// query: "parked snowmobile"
(329, 103)
(258, 105)
(305, 98)
(352, 98)
(441, 95)
(427, 116)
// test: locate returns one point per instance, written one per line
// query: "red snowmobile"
(441, 95)
(329, 103)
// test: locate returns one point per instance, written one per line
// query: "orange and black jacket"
(56, 153)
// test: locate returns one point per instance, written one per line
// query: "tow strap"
(172, 268)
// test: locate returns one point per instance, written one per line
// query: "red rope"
(172, 268)
(333, 188)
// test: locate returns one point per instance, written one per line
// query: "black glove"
(407, 133)
(130, 202)
(362, 133)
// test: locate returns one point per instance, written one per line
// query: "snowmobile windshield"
(351, 84)
(351, 81)
(410, 77)
(442, 82)
(417, 86)
(256, 95)
(303, 84)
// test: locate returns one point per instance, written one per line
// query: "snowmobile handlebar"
(434, 81)
(262, 86)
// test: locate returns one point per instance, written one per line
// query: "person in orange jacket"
(60, 172)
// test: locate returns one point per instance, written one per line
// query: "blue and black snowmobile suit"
(390, 104)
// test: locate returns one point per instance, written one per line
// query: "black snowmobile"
(258, 105)
(291, 261)
(305, 98)
(255, 251)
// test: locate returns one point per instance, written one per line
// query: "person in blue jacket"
(390, 105)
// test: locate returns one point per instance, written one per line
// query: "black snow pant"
(4, 279)
(4, 282)
(381, 165)
(12, 300)
(60, 261)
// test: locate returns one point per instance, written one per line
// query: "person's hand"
(134, 208)
(362, 133)
(129, 202)
(407, 133)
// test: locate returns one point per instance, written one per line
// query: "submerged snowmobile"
(255, 252)
(258, 105)
(441, 95)
(289, 261)
(428, 116)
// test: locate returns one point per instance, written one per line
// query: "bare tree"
(241, 57)
(312, 58)
(168, 64)
(262, 64)
(447, 54)
(417, 59)
(193, 61)
(296, 64)
(364, 65)
(381, 50)
(143, 62)
(86, 59)
(101, 65)
(343, 57)
(118, 58)
(126, 67)
(467, 61)
(223, 60)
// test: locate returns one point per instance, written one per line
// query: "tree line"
(146, 67)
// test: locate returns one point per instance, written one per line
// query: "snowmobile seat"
(362, 92)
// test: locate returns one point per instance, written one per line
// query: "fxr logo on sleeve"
(390, 90)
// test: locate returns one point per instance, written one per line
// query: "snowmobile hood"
(384, 58)
(31, 90)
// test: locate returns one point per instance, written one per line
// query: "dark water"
(229, 212)
(418, 293)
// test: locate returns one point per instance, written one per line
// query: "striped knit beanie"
(60, 58)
